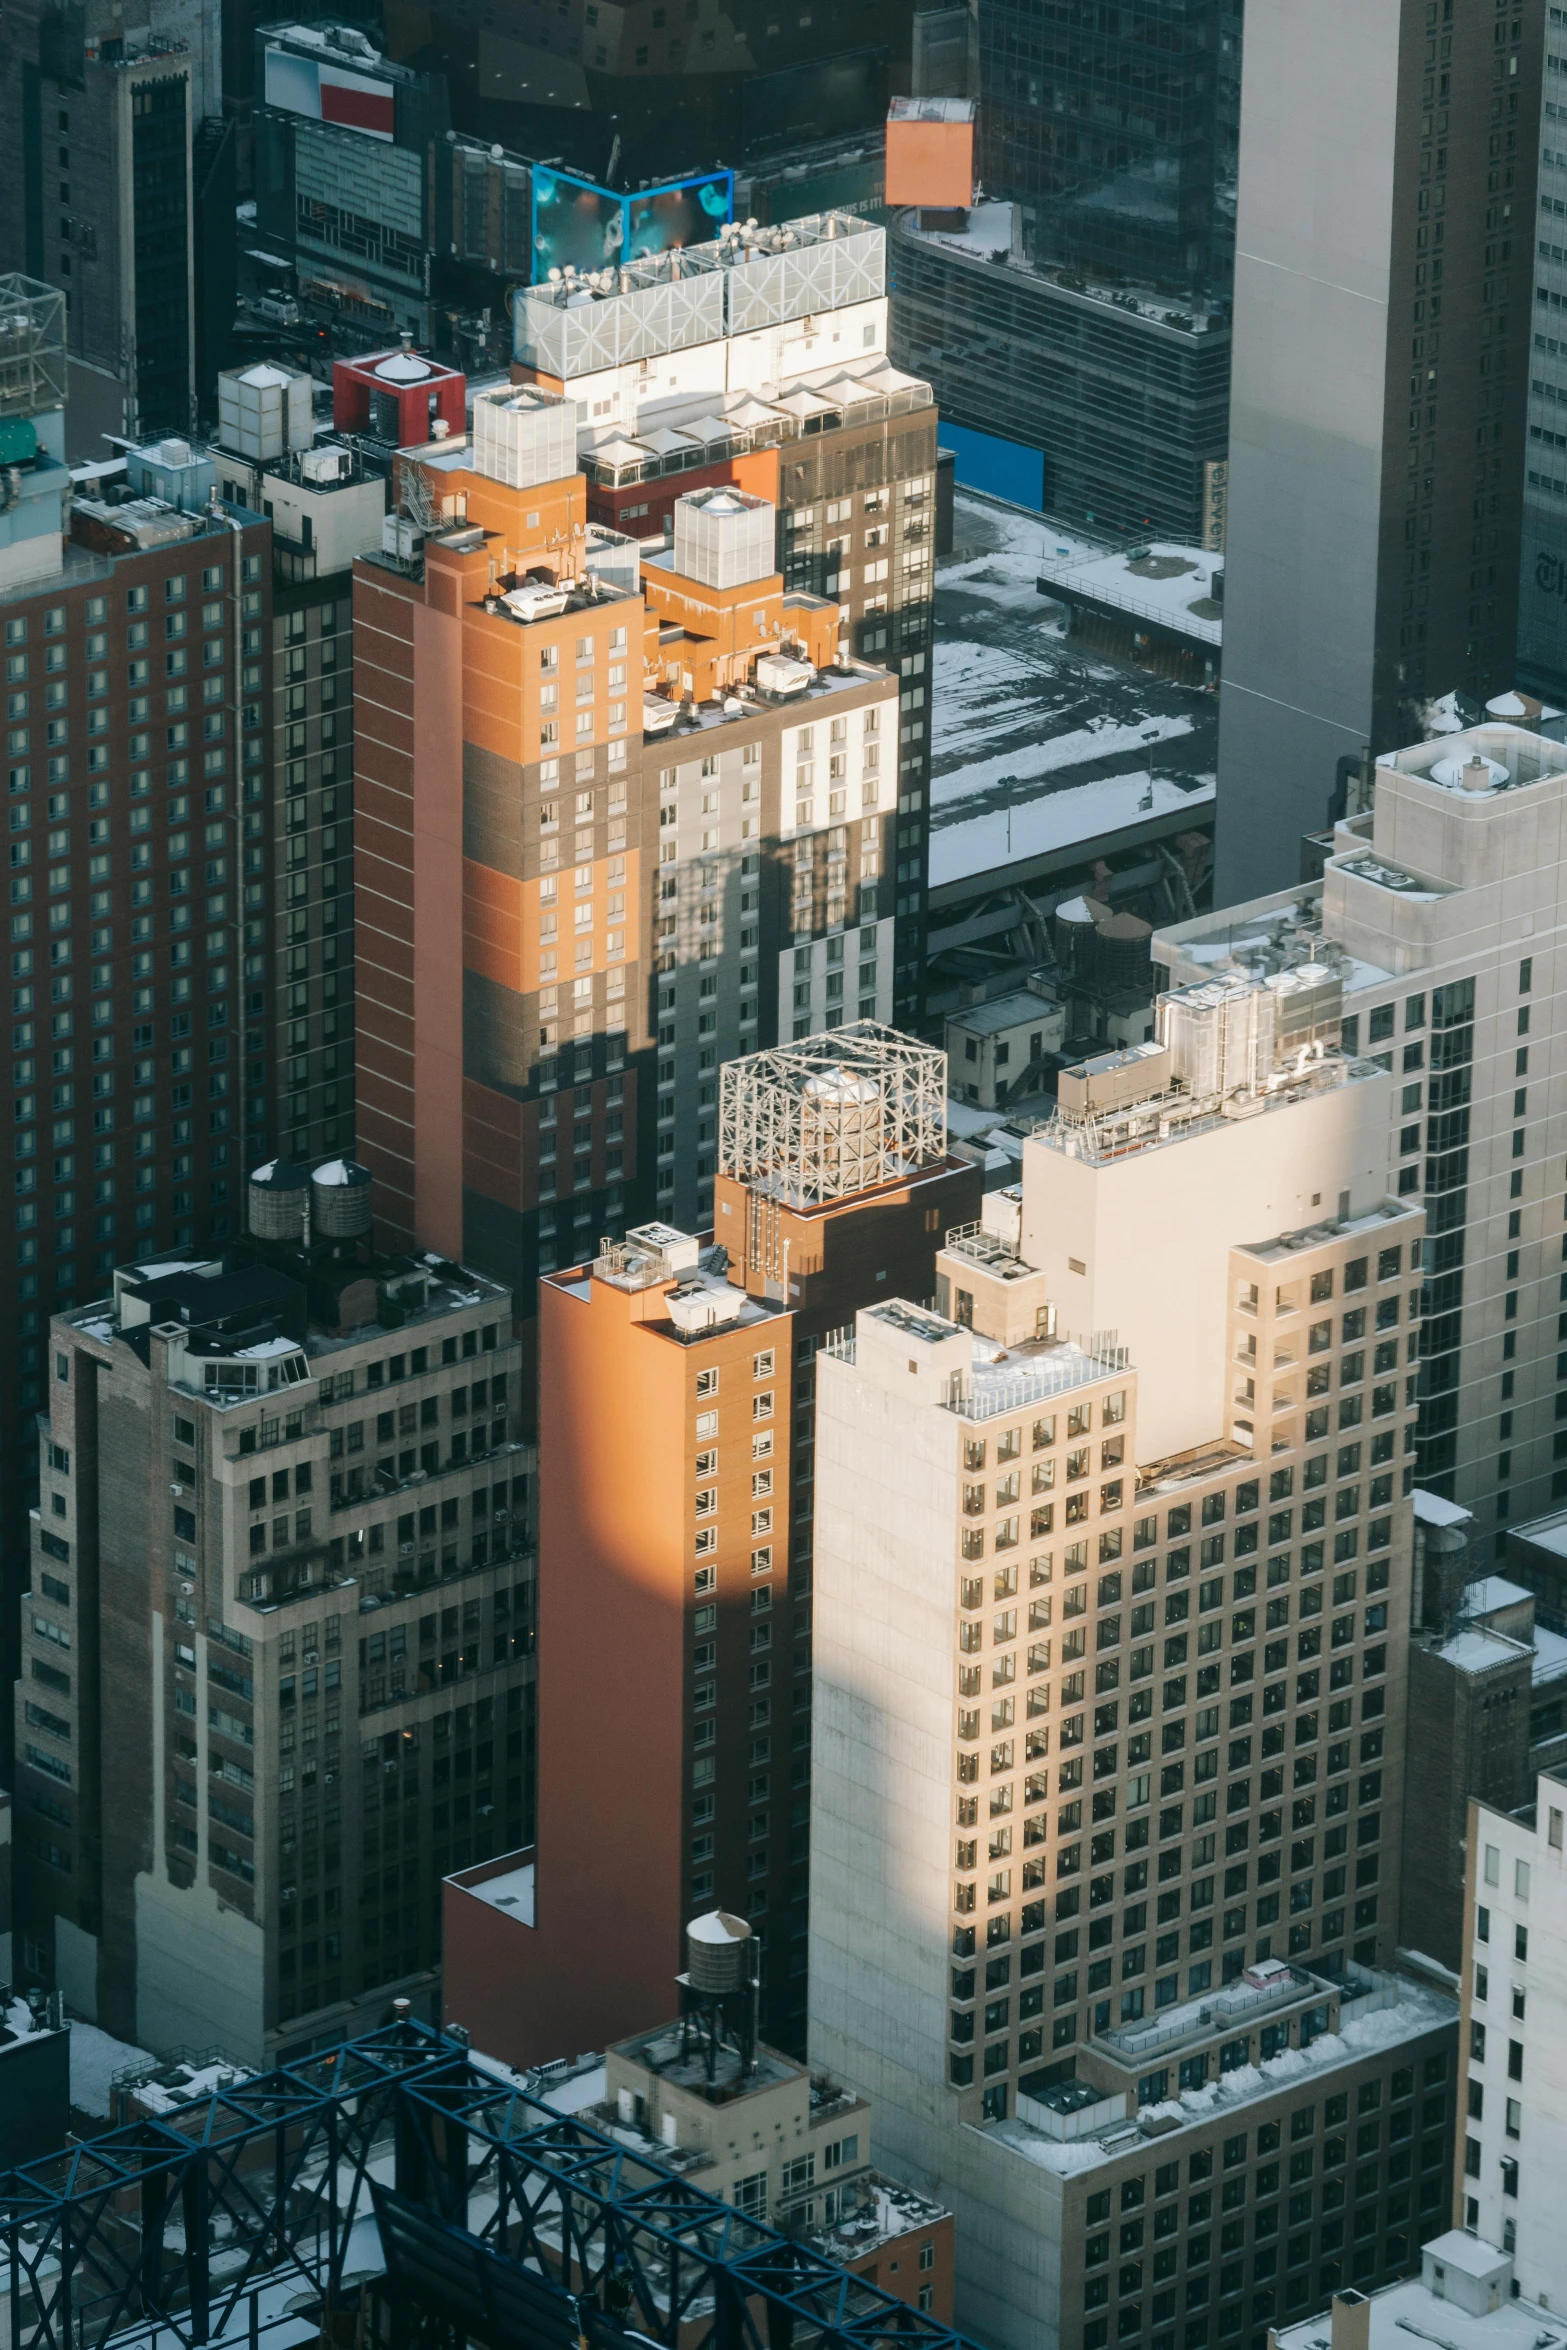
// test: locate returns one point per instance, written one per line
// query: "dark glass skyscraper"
(1113, 128)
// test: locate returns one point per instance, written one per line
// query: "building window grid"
(1347, 1734)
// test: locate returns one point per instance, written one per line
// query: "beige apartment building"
(1440, 913)
(277, 1656)
(1112, 1558)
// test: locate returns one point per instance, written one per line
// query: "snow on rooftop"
(1417, 2008)
(512, 1892)
(96, 2057)
(1433, 1510)
(1489, 1592)
(1547, 1534)
(1550, 1655)
(1066, 818)
(1479, 1652)
(1411, 2309)
(1158, 580)
(1025, 717)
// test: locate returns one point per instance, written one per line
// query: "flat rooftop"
(1168, 585)
(1411, 2309)
(1045, 754)
(1367, 2027)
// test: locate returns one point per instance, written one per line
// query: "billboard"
(577, 225)
(330, 93)
(684, 212)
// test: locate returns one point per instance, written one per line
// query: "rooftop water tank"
(340, 1207)
(279, 1194)
(718, 1957)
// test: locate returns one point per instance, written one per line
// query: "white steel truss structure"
(834, 1114)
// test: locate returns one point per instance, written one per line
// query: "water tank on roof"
(279, 1195)
(1075, 937)
(718, 1953)
(340, 1201)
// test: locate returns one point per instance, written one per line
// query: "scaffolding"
(394, 2186)
(32, 346)
(834, 1114)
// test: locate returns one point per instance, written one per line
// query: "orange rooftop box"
(930, 153)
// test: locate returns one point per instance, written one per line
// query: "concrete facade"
(1374, 504)
(1514, 2142)
(1441, 910)
(231, 1592)
(676, 1583)
(1034, 1962)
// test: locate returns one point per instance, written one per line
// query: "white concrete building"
(1068, 1589)
(1513, 2150)
(1441, 912)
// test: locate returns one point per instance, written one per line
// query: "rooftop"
(989, 234)
(1172, 586)
(1173, 1116)
(1477, 1651)
(1412, 2308)
(1044, 753)
(512, 1892)
(680, 2058)
(1394, 2009)
(998, 1379)
(679, 435)
(1000, 1012)
(1332, 1228)
(256, 1311)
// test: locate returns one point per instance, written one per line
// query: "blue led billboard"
(577, 225)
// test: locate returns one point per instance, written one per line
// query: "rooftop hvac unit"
(1220, 1036)
(265, 411)
(725, 538)
(523, 437)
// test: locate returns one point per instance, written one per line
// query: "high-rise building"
(1388, 166)
(1542, 578)
(1515, 1977)
(1439, 910)
(137, 655)
(1116, 138)
(326, 501)
(99, 108)
(277, 1658)
(761, 361)
(676, 1453)
(677, 740)
(1111, 1563)
(1083, 311)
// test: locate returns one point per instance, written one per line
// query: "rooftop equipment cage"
(834, 1114)
(32, 346)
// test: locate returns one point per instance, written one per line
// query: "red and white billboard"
(330, 93)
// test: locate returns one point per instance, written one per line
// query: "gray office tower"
(1388, 166)
(1542, 579)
